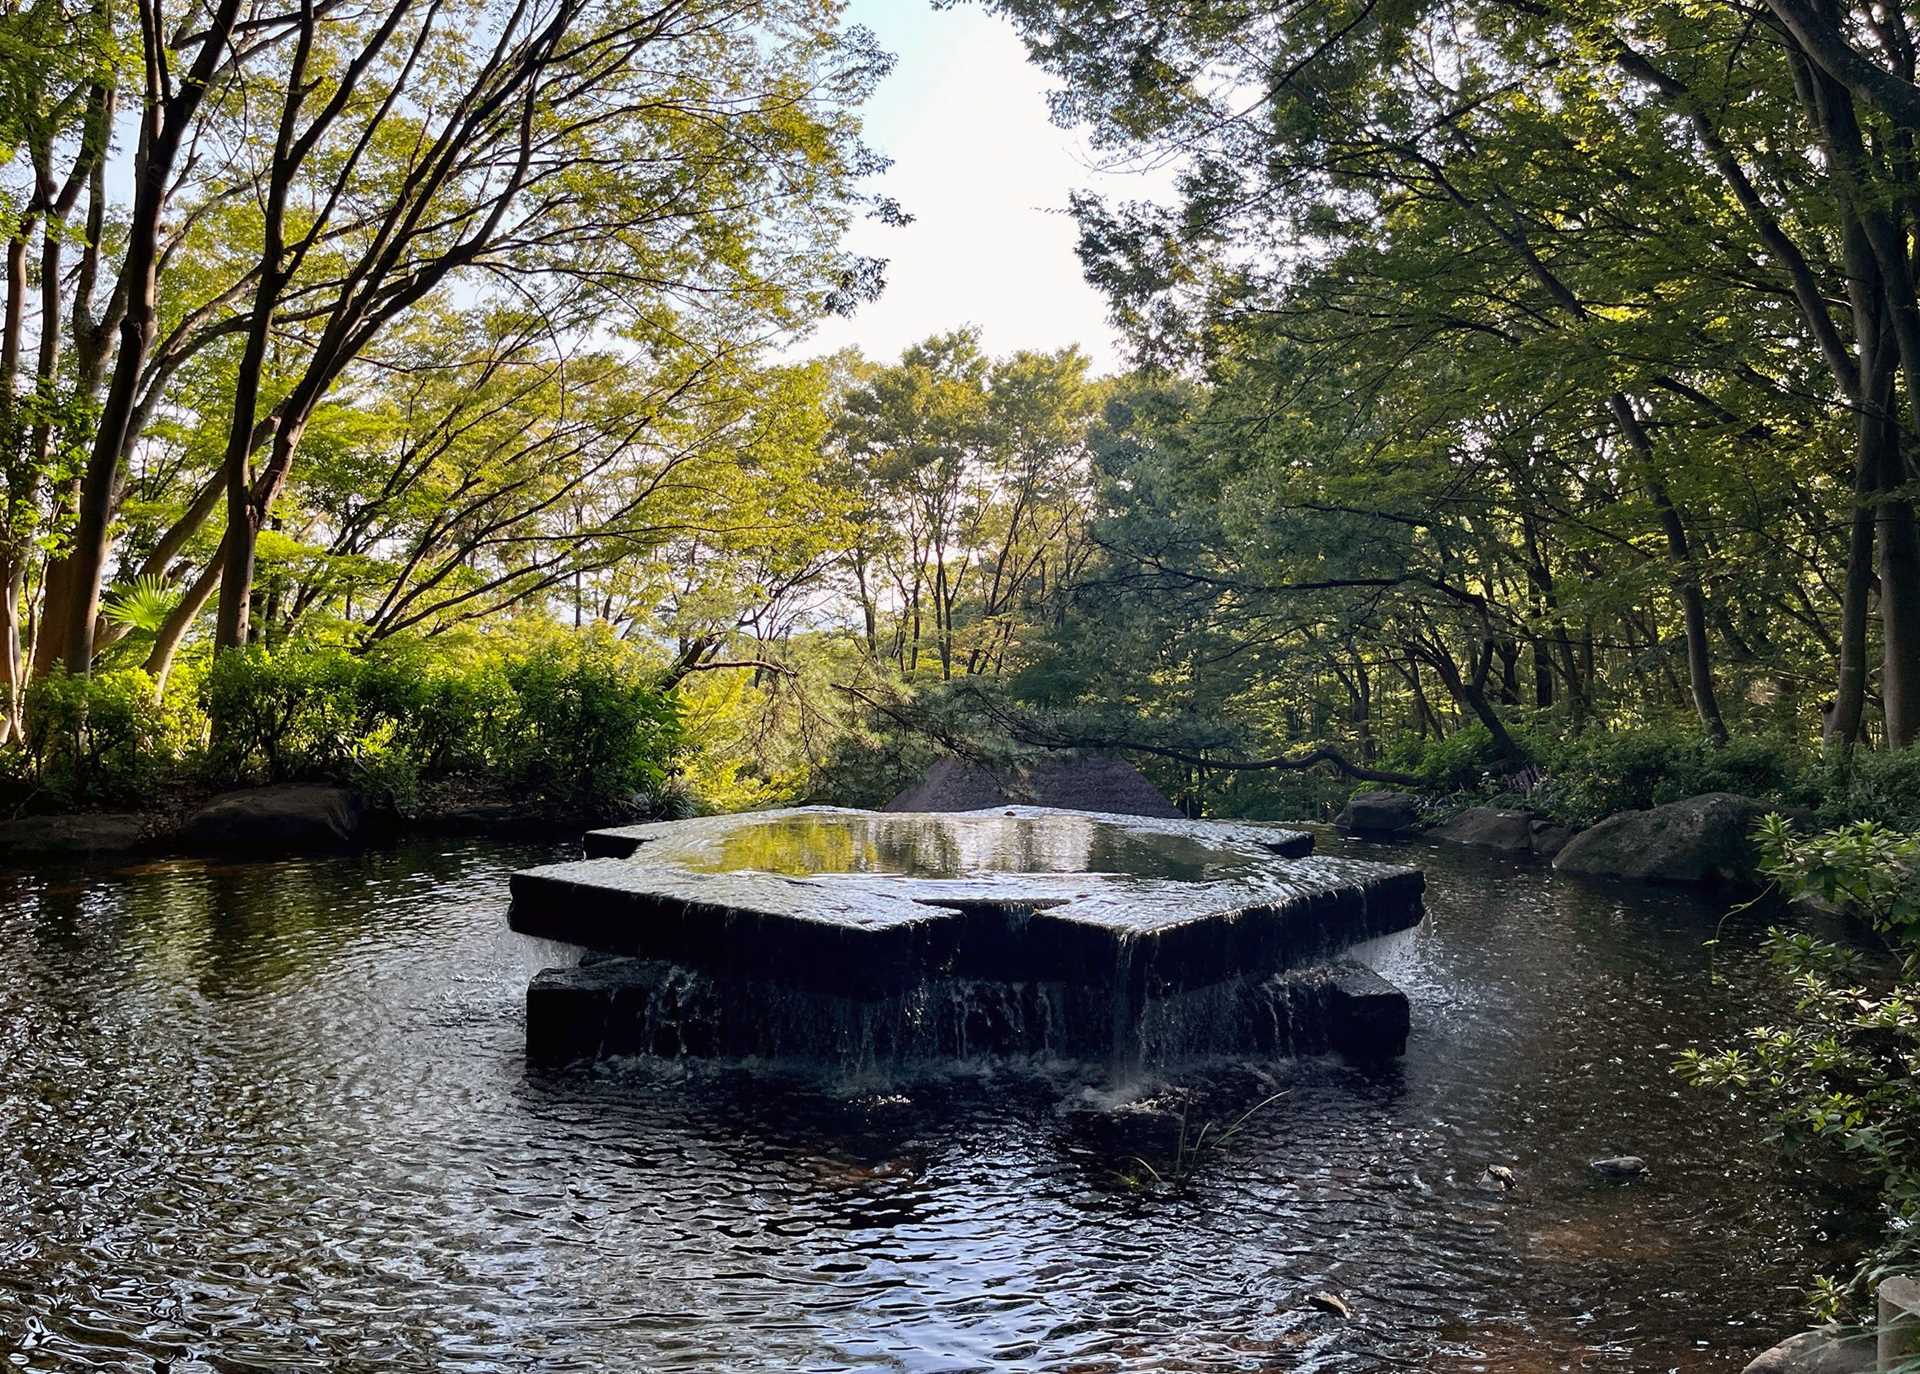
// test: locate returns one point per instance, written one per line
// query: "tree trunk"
(1693, 604)
(1875, 437)
(243, 515)
(13, 576)
(166, 643)
(1899, 565)
(1472, 696)
(168, 110)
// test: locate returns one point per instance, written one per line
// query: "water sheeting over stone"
(1077, 782)
(1101, 918)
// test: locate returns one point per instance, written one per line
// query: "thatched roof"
(1081, 783)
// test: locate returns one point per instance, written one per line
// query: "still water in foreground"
(277, 1117)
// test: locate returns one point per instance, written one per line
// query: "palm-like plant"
(143, 605)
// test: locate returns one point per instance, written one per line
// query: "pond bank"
(1706, 839)
(282, 820)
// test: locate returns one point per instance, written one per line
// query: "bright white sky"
(986, 177)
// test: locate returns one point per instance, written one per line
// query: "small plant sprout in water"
(1192, 1150)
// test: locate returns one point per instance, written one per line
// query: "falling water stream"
(277, 1116)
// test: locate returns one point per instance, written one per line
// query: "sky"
(986, 176)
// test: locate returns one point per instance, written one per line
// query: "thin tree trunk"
(1471, 694)
(166, 643)
(1875, 434)
(13, 577)
(1693, 604)
(168, 110)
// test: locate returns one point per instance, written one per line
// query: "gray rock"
(1620, 1167)
(1379, 813)
(102, 833)
(1700, 840)
(1550, 838)
(1367, 1017)
(1510, 832)
(286, 816)
(1826, 1351)
(1899, 1344)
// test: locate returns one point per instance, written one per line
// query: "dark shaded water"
(277, 1117)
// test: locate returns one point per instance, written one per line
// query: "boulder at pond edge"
(1506, 832)
(102, 832)
(282, 817)
(1705, 839)
(1379, 813)
(1826, 1351)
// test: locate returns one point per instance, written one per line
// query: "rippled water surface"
(963, 846)
(277, 1117)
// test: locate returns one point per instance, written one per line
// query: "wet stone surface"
(1101, 919)
(862, 902)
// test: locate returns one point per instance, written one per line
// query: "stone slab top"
(816, 840)
(1006, 892)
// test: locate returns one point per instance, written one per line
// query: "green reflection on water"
(957, 847)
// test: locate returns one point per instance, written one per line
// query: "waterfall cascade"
(866, 940)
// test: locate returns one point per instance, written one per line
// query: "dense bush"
(1464, 761)
(104, 738)
(1839, 1070)
(302, 715)
(570, 721)
(1872, 785)
(586, 728)
(576, 723)
(1582, 777)
(1598, 773)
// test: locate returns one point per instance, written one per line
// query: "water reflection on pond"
(923, 846)
(277, 1117)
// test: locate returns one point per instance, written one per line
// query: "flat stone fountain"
(869, 939)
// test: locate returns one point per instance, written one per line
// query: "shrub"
(105, 737)
(1840, 1070)
(291, 715)
(577, 724)
(1595, 774)
(588, 727)
(1464, 761)
(1872, 785)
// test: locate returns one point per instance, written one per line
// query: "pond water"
(962, 846)
(277, 1117)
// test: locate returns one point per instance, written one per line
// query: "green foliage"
(103, 738)
(1867, 869)
(1464, 761)
(1291, 795)
(870, 767)
(1598, 773)
(143, 605)
(587, 728)
(970, 484)
(1880, 785)
(575, 723)
(1839, 1072)
(304, 715)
